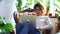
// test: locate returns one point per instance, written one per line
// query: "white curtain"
(8, 7)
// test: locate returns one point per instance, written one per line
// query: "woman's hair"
(40, 6)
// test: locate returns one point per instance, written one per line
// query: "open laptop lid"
(31, 18)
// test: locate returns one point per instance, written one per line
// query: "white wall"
(7, 7)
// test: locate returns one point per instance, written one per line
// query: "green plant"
(58, 0)
(19, 4)
(57, 6)
(29, 4)
(4, 25)
(8, 26)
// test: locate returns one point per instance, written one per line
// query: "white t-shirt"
(43, 22)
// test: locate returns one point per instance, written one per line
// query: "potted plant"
(4, 26)
(57, 7)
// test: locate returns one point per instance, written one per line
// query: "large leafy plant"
(57, 7)
(18, 5)
(4, 25)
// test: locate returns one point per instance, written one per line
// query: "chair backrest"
(31, 18)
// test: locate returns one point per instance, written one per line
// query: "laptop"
(31, 18)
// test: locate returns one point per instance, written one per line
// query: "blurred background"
(8, 7)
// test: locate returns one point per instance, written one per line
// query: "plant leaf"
(56, 5)
(8, 26)
(58, 0)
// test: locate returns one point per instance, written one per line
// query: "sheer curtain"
(7, 8)
(10, 9)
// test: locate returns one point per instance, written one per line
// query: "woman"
(23, 28)
(42, 21)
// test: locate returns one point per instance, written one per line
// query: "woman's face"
(38, 11)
